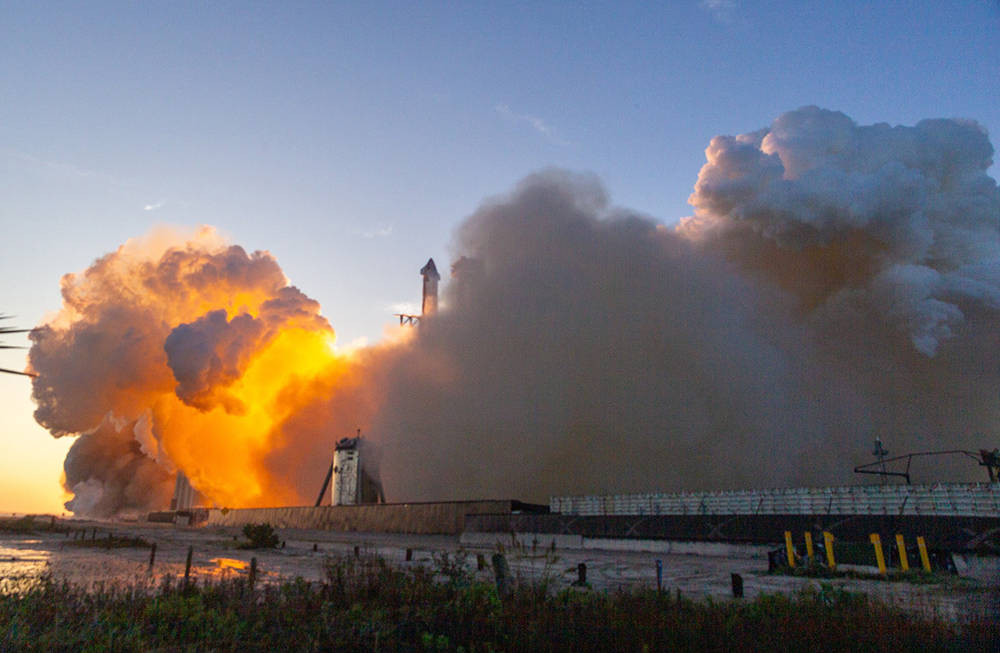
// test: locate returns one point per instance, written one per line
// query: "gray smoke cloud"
(212, 352)
(836, 283)
(109, 474)
(587, 349)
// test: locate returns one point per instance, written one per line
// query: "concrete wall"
(420, 518)
(952, 533)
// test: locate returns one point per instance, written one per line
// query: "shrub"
(260, 536)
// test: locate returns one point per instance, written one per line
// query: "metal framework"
(988, 459)
(405, 318)
(6, 330)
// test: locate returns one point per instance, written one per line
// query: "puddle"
(21, 560)
(230, 563)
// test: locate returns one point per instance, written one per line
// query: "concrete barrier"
(675, 547)
(544, 541)
(445, 517)
(528, 540)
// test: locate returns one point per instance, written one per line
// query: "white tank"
(353, 484)
(346, 473)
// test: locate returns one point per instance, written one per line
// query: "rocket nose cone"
(430, 270)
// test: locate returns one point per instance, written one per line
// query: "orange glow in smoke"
(286, 368)
(221, 452)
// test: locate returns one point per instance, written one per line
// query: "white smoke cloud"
(903, 218)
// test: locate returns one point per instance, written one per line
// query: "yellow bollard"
(809, 547)
(904, 564)
(924, 559)
(790, 549)
(879, 556)
(828, 544)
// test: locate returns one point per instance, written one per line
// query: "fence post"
(737, 586)
(253, 572)
(879, 555)
(187, 566)
(502, 573)
(152, 556)
(904, 564)
(924, 558)
(828, 545)
(790, 549)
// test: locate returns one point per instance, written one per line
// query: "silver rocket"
(431, 278)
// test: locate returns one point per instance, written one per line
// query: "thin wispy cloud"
(153, 207)
(68, 171)
(534, 122)
(383, 231)
(724, 11)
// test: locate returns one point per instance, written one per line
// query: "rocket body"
(431, 278)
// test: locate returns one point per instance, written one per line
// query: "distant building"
(185, 497)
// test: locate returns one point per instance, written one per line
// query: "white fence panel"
(945, 499)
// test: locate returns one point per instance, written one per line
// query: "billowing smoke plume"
(888, 240)
(898, 223)
(836, 283)
(183, 354)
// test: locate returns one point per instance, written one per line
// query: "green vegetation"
(110, 541)
(913, 576)
(366, 604)
(84, 537)
(259, 536)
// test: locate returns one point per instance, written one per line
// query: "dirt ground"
(215, 553)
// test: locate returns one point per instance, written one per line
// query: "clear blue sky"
(349, 139)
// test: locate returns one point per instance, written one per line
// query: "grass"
(111, 542)
(367, 604)
(31, 524)
(35, 524)
(913, 576)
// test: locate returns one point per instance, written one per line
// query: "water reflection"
(21, 565)
(23, 562)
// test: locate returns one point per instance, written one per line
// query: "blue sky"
(349, 139)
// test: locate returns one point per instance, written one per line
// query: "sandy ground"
(215, 554)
